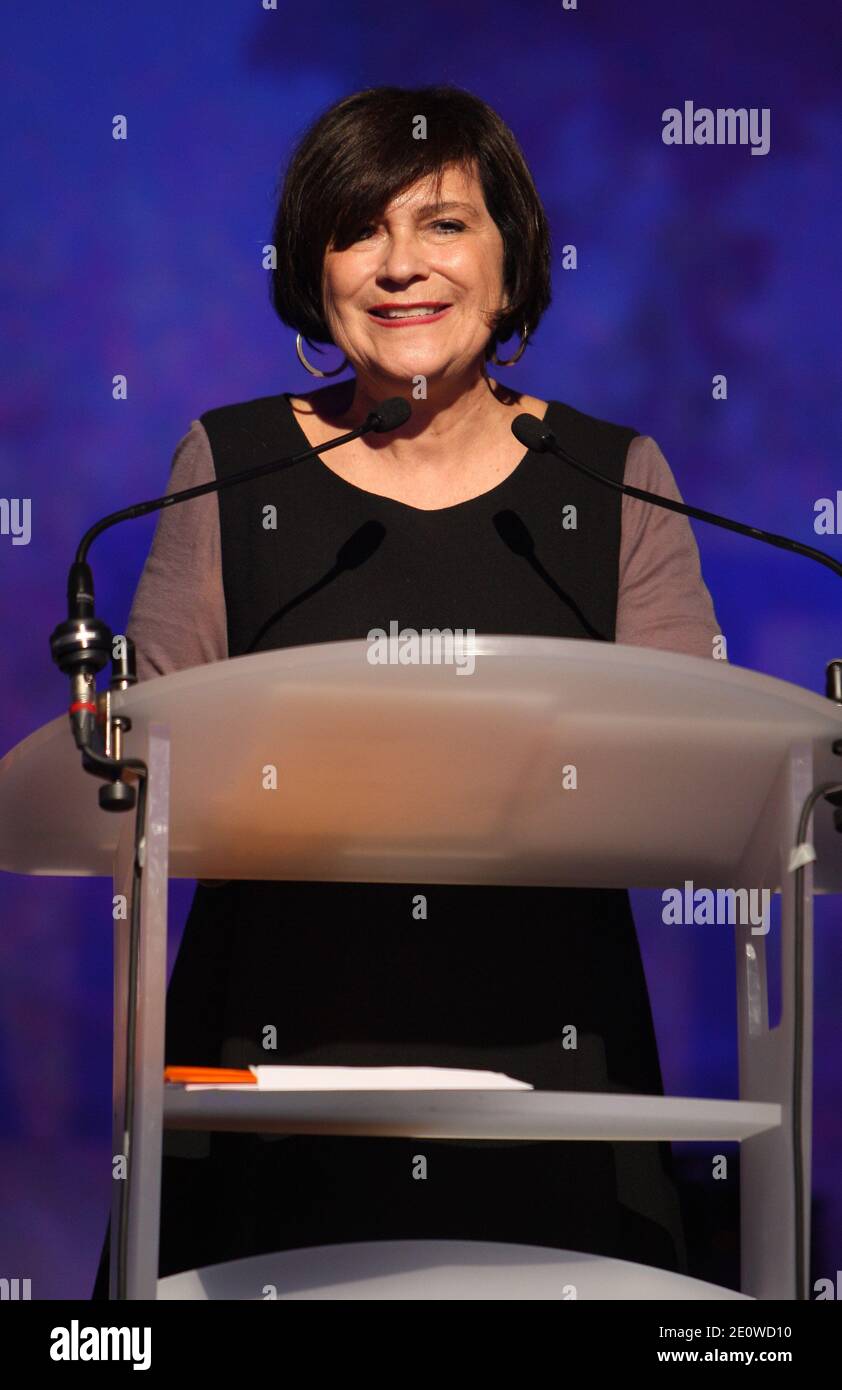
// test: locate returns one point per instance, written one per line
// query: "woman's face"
(409, 297)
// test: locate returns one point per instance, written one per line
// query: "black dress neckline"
(406, 506)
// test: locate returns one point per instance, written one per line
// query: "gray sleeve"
(178, 616)
(663, 600)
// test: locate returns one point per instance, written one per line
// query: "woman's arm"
(178, 616)
(662, 599)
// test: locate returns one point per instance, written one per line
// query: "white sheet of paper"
(371, 1079)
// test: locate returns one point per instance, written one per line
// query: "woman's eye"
(448, 225)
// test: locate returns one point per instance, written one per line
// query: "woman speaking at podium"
(410, 237)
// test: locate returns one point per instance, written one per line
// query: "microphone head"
(513, 531)
(360, 546)
(388, 415)
(532, 433)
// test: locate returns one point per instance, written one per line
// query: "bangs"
(377, 188)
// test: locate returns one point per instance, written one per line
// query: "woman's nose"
(403, 257)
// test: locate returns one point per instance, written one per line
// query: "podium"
(686, 769)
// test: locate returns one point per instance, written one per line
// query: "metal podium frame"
(760, 1120)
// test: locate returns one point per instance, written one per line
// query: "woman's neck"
(451, 449)
(452, 414)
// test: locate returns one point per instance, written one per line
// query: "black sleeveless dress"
(344, 971)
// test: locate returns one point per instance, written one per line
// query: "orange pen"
(209, 1075)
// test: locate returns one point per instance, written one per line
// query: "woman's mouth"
(408, 315)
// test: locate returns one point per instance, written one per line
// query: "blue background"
(144, 257)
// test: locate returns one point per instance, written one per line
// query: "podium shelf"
(525, 1115)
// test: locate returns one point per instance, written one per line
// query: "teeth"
(405, 313)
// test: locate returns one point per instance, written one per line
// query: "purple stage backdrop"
(142, 257)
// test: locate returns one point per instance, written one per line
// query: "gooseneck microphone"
(534, 434)
(82, 644)
(389, 415)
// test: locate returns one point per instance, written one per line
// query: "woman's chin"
(405, 365)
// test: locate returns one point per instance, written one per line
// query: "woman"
(417, 258)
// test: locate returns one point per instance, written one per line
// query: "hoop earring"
(510, 362)
(314, 371)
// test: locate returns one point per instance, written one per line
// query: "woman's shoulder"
(561, 416)
(526, 404)
(327, 403)
(241, 428)
(585, 419)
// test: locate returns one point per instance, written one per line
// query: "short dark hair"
(360, 154)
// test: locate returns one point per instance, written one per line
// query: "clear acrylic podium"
(686, 769)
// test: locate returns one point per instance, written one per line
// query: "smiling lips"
(408, 315)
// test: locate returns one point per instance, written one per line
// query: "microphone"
(534, 434)
(389, 415)
(82, 644)
(513, 533)
(353, 552)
